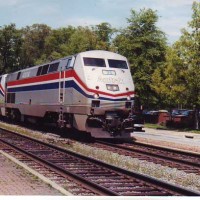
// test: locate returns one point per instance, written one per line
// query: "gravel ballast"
(164, 173)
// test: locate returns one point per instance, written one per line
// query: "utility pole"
(196, 116)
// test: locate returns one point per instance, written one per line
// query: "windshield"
(95, 62)
(179, 112)
(121, 64)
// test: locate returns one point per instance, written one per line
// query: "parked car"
(176, 112)
(152, 112)
(138, 121)
(156, 116)
(182, 118)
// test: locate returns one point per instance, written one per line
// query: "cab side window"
(44, 69)
(39, 70)
(18, 75)
(53, 67)
(68, 65)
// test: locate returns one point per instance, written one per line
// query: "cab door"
(62, 82)
(66, 85)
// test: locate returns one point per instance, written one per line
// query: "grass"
(164, 127)
(156, 126)
(16, 128)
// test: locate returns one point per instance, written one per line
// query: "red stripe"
(72, 73)
(36, 79)
(68, 74)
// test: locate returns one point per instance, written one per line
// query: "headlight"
(115, 88)
(96, 96)
(128, 98)
(112, 87)
(109, 87)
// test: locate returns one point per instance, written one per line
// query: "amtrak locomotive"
(91, 91)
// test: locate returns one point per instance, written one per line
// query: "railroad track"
(188, 162)
(95, 177)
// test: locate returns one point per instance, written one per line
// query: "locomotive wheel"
(15, 115)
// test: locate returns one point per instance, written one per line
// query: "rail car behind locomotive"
(91, 91)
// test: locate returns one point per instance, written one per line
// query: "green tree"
(189, 52)
(193, 56)
(83, 39)
(144, 45)
(104, 33)
(10, 48)
(55, 41)
(188, 48)
(33, 46)
(169, 81)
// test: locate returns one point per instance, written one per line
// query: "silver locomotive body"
(91, 91)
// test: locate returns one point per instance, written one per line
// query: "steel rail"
(163, 149)
(175, 190)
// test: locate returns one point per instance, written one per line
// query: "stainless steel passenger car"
(91, 91)
(2, 94)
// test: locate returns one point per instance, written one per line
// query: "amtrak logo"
(110, 80)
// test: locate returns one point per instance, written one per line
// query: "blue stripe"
(68, 84)
(72, 84)
(48, 86)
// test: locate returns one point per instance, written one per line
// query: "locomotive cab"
(106, 92)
